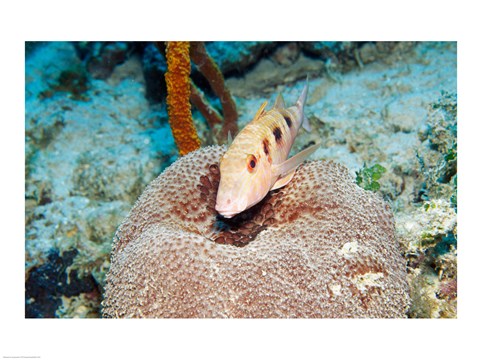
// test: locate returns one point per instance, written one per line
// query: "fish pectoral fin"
(279, 102)
(283, 180)
(229, 138)
(291, 164)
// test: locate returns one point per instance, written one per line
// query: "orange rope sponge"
(178, 96)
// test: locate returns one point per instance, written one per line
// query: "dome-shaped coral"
(319, 247)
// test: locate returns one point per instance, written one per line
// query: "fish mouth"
(227, 215)
(228, 212)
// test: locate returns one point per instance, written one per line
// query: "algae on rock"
(428, 233)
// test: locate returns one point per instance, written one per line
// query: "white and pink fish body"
(256, 161)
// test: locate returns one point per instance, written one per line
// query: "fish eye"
(251, 163)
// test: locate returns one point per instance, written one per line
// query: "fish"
(256, 161)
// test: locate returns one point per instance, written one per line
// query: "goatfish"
(256, 161)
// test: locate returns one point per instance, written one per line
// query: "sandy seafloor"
(89, 157)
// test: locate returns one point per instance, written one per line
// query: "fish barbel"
(256, 161)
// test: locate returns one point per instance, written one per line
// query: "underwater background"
(97, 132)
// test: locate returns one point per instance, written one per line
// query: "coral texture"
(178, 98)
(319, 247)
(428, 237)
(427, 233)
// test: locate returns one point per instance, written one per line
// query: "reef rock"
(319, 247)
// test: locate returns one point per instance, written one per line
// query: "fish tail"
(300, 104)
(303, 96)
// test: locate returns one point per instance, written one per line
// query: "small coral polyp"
(285, 257)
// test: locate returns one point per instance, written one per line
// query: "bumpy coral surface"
(319, 247)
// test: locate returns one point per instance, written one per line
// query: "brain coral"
(319, 247)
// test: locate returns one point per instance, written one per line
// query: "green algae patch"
(367, 177)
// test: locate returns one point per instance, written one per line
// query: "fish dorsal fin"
(260, 111)
(279, 102)
(291, 164)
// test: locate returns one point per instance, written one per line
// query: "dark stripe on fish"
(266, 145)
(288, 121)
(277, 132)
